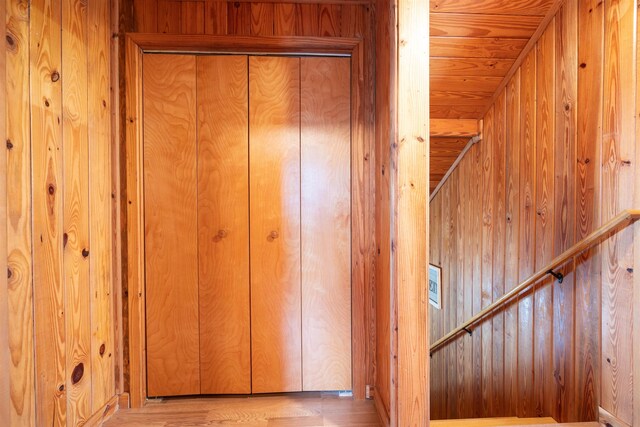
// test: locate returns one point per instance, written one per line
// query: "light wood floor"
(291, 410)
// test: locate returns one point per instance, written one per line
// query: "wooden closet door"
(171, 253)
(326, 223)
(274, 141)
(223, 224)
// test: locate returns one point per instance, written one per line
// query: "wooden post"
(409, 190)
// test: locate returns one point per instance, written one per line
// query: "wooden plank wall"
(556, 161)
(59, 200)
(340, 18)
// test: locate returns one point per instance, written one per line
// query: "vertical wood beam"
(409, 201)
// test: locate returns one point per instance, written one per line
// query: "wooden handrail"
(622, 220)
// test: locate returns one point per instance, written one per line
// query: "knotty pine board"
(101, 269)
(47, 163)
(171, 252)
(223, 224)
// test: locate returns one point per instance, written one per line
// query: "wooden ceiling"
(474, 45)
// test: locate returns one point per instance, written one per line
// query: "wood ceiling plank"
(477, 47)
(472, 83)
(456, 111)
(480, 25)
(463, 97)
(469, 67)
(499, 7)
(453, 127)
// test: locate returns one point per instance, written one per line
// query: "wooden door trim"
(362, 244)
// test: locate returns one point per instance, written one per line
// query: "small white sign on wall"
(435, 286)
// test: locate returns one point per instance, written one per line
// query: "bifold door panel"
(247, 190)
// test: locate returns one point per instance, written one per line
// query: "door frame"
(362, 179)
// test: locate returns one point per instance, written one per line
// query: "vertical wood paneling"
(19, 258)
(477, 190)
(46, 109)
(447, 362)
(565, 208)
(512, 242)
(239, 19)
(588, 185)
(488, 219)
(262, 18)
(499, 171)
(287, 19)
(169, 16)
(171, 252)
(274, 134)
(325, 166)
(192, 17)
(411, 211)
(544, 210)
(467, 310)
(309, 19)
(76, 249)
(618, 148)
(145, 15)
(215, 17)
(330, 16)
(223, 224)
(526, 255)
(450, 293)
(100, 209)
(459, 266)
(5, 355)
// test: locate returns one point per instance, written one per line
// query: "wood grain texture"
(512, 242)
(487, 146)
(287, 19)
(215, 18)
(47, 163)
(527, 233)
(170, 215)
(274, 164)
(411, 210)
(503, 7)
(192, 17)
(482, 67)
(19, 217)
(169, 16)
(477, 47)
(238, 18)
(262, 19)
(482, 25)
(566, 24)
(545, 211)
(223, 224)
(588, 214)
(618, 181)
(76, 238)
(146, 15)
(5, 354)
(325, 147)
(101, 275)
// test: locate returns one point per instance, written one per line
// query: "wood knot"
(46, 102)
(626, 162)
(382, 169)
(9, 273)
(104, 103)
(9, 144)
(420, 139)
(61, 387)
(629, 270)
(51, 189)
(102, 350)
(567, 106)
(221, 235)
(10, 40)
(587, 161)
(85, 252)
(77, 373)
(65, 239)
(583, 65)
(236, 4)
(272, 236)
(55, 76)
(509, 218)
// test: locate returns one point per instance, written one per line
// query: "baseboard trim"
(610, 420)
(381, 409)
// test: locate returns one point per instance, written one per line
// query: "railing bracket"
(470, 332)
(558, 276)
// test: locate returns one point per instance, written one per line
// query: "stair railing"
(624, 219)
